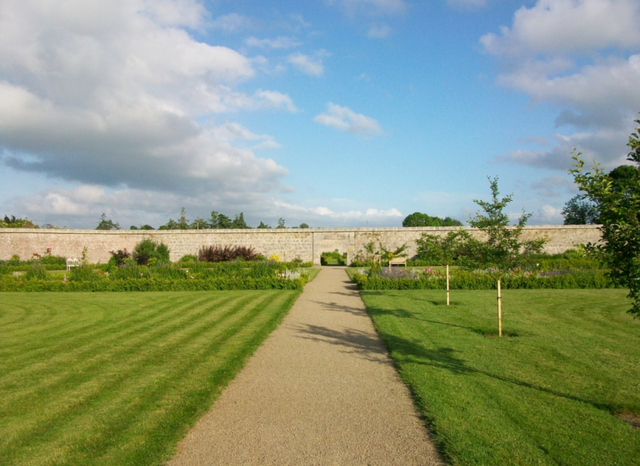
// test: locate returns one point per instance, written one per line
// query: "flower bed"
(460, 279)
(239, 275)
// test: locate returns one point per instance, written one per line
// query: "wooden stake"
(447, 284)
(499, 310)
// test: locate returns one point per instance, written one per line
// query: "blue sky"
(335, 113)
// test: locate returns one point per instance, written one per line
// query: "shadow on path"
(362, 343)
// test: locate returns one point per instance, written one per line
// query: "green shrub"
(83, 273)
(188, 259)
(36, 272)
(148, 251)
(58, 261)
(129, 270)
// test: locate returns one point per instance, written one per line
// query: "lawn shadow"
(405, 314)
(405, 351)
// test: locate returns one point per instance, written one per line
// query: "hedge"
(11, 284)
(464, 280)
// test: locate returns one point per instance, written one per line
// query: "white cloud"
(275, 100)
(548, 215)
(111, 94)
(188, 13)
(277, 43)
(306, 64)
(325, 215)
(553, 186)
(345, 119)
(379, 31)
(231, 132)
(607, 146)
(231, 23)
(583, 56)
(553, 27)
(601, 91)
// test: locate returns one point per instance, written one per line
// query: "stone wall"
(306, 244)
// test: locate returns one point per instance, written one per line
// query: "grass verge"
(556, 390)
(118, 378)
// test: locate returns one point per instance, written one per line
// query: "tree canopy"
(616, 195)
(580, 211)
(13, 222)
(418, 219)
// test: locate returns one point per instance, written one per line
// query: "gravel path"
(321, 390)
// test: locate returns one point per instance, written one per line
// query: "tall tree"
(580, 211)
(238, 222)
(183, 221)
(619, 206)
(107, 224)
(224, 222)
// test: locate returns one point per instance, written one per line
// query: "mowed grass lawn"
(117, 378)
(548, 393)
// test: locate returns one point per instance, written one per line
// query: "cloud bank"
(583, 57)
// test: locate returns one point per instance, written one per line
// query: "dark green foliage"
(580, 211)
(227, 253)
(333, 258)
(53, 262)
(199, 224)
(222, 222)
(617, 197)
(263, 226)
(181, 224)
(148, 251)
(13, 222)
(239, 222)
(36, 272)
(418, 219)
(107, 224)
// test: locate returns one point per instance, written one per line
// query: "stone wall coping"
(265, 231)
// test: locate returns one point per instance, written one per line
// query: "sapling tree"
(619, 208)
(503, 246)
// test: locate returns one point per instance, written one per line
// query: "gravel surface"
(321, 390)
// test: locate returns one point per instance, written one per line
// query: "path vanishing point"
(321, 390)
